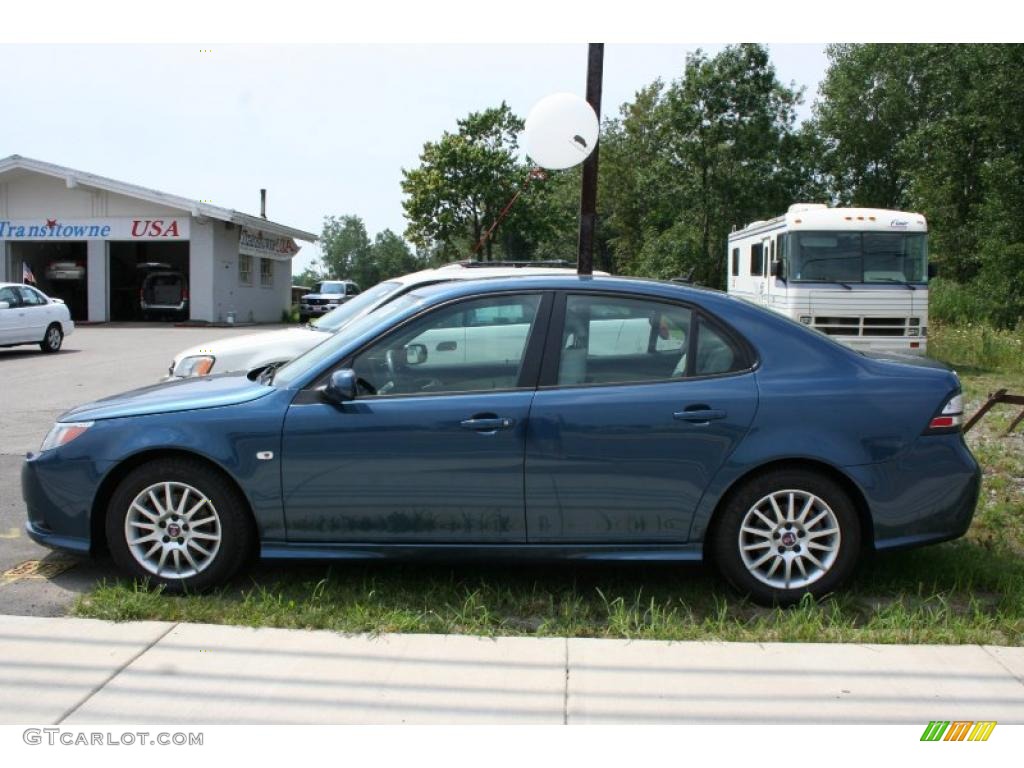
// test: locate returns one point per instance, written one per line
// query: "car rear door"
(640, 403)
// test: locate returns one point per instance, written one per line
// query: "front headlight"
(64, 433)
(198, 365)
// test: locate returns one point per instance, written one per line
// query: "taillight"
(950, 418)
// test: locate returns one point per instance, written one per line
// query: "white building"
(105, 234)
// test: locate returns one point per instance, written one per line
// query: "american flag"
(26, 274)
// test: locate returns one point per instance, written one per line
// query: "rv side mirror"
(5, 305)
(777, 269)
(933, 270)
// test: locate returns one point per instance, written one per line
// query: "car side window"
(613, 340)
(8, 294)
(30, 298)
(472, 346)
(715, 353)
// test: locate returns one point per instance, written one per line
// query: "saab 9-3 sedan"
(583, 418)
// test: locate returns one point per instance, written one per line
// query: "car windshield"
(343, 315)
(329, 287)
(298, 367)
(858, 257)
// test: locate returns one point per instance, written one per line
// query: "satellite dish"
(561, 131)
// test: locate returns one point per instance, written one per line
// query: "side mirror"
(933, 270)
(777, 269)
(5, 305)
(416, 354)
(341, 387)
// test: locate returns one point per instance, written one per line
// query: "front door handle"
(699, 416)
(487, 423)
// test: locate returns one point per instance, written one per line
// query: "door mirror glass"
(341, 387)
(778, 269)
(416, 354)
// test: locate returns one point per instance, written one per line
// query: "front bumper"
(316, 310)
(58, 496)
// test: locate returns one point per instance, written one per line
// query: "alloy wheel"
(173, 530)
(789, 539)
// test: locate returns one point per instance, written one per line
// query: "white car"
(258, 351)
(29, 316)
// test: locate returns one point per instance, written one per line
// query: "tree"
(349, 253)
(686, 162)
(463, 182)
(344, 244)
(937, 129)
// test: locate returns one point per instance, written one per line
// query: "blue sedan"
(532, 417)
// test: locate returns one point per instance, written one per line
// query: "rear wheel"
(786, 534)
(180, 524)
(53, 338)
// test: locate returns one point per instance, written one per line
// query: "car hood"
(180, 395)
(298, 338)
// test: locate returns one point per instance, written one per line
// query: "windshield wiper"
(267, 374)
(894, 280)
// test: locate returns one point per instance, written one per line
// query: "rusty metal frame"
(995, 398)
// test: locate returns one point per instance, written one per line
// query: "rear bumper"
(927, 495)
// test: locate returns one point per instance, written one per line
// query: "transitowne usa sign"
(157, 228)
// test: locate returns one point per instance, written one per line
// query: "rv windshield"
(858, 257)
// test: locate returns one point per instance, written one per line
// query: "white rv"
(859, 274)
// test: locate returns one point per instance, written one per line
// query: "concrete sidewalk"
(76, 671)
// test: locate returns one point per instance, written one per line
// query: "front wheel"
(179, 524)
(786, 534)
(53, 339)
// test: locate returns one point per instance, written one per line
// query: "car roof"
(461, 272)
(565, 280)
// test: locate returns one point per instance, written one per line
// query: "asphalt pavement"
(35, 388)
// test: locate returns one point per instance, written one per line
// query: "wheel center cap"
(788, 539)
(173, 530)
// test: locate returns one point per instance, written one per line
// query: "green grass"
(968, 591)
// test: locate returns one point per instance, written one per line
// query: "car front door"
(431, 451)
(12, 319)
(640, 403)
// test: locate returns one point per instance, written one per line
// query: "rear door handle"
(487, 423)
(700, 416)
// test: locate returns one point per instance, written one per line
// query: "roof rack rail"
(473, 263)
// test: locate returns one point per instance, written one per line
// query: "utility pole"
(588, 193)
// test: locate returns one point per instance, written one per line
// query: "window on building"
(244, 269)
(757, 260)
(735, 261)
(266, 272)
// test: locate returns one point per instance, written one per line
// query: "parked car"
(29, 316)
(567, 417)
(164, 295)
(325, 296)
(65, 270)
(257, 351)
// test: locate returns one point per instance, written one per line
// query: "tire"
(759, 572)
(52, 339)
(209, 551)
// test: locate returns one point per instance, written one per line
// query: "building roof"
(196, 208)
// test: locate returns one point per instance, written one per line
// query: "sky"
(326, 129)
